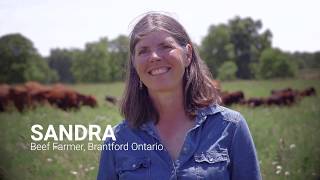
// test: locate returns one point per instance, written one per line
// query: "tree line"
(236, 49)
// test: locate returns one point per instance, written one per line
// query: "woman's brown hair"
(199, 91)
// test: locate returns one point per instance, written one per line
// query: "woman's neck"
(170, 105)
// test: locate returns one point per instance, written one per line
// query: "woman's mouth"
(159, 71)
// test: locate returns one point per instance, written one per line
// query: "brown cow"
(255, 102)
(4, 96)
(20, 97)
(111, 99)
(87, 100)
(37, 92)
(311, 91)
(231, 98)
(62, 97)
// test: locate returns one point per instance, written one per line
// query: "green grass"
(284, 136)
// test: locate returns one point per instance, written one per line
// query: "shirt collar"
(202, 113)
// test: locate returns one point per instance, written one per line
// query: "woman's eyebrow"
(141, 47)
(166, 42)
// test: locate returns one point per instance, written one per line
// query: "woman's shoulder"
(121, 128)
(225, 114)
(124, 131)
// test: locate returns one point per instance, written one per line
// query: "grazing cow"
(255, 102)
(111, 99)
(4, 96)
(37, 92)
(284, 98)
(311, 91)
(62, 97)
(20, 97)
(87, 100)
(231, 98)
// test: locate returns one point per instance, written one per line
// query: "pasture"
(287, 137)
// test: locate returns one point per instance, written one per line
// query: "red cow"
(20, 97)
(37, 92)
(4, 96)
(87, 100)
(311, 91)
(231, 98)
(112, 100)
(62, 97)
(254, 102)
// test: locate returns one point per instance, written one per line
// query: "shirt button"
(134, 165)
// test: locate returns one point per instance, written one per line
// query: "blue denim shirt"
(219, 146)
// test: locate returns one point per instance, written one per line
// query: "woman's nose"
(154, 56)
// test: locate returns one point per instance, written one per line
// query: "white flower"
(286, 173)
(279, 167)
(49, 159)
(91, 168)
(74, 172)
(292, 146)
(278, 171)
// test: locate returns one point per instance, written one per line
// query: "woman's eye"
(140, 52)
(166, 46)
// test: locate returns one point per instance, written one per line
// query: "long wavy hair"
(199, 91)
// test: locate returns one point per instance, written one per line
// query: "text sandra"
(71, 132)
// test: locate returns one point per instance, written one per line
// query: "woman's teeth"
(159, 71)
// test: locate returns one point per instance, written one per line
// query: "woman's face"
(160, 61)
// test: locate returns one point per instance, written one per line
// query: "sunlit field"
(287, 138)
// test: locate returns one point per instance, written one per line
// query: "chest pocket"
(135, 168)
(212, 164)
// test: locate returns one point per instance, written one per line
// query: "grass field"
(287, 138)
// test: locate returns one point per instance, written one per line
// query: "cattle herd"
(32, 94)
(282, 97)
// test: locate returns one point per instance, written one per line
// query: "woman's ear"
(189, 54)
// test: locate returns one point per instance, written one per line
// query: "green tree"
(61, 61)
(216, 47)
(227, 71)
(119, 55)
(20, 61)
(275, 63)
(248, 44)
(240, 40)
(92, 64)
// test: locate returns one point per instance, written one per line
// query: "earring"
(140, 85)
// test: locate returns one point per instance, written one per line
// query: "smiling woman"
(170, 100)
(160, 61)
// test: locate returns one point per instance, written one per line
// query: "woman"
(170, 102)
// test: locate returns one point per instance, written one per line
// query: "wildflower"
(49, 159)
(278, 171)
(92, 168)
(279, 167)
(292, 146)
(286, 173)
(74, 172)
